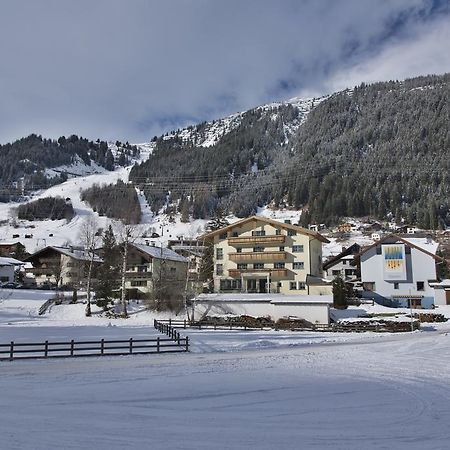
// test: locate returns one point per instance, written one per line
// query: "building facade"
(62, 266)
(260, 255)
(148, 265)
(398, 271)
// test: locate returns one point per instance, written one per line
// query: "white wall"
(6, 274)
(419, 267)
(314, 313)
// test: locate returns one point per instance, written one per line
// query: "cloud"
(129, 70)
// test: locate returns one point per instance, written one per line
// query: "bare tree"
(127, 234)
(90, 240)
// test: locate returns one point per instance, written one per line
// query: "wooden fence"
(174, 343)
(331, 328)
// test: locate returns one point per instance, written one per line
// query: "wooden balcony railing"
(274, 273)
(257, 256)
(256, 240)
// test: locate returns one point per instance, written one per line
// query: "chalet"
(397, 271)
(148, 264)
(342, 265)
(11, 249)
(261, 255)
(193, 250)
(63, 266)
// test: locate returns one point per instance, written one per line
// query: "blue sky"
(128, 70)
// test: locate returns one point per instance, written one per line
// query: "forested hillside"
(23, 162)
(116, 201)
(375, 150)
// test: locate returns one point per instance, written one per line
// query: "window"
(297, 248)
(223, 236)
(235, 234)
(219, 269)
(378, 249)
(344, 262)
(420, 286)
(258, 266)
(258, 233)
(219, 253)
(301, 285)
(281, 249)
(369, 286)
(230, 285)
(292, 233)
(258, 249)
(173, 269)
(298, 265)
(138, 283)
(293, 285)
(335, 273)
(279, 265)
(396, 285)
(239, 250)
(242, 266)
(278, 232)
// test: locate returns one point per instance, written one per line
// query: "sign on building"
(394, 262)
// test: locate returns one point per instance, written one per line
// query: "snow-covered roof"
(441, 284)
(77, 253)
(72, 252)
(266, 298)
(6, 261)
(424, 243)
(160, 253)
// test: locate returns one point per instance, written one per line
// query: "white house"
(8, 266)
(441, 292)
(399, 271)
(313, 308)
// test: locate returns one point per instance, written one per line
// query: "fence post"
(187, 343)
(71, 347)
(46, 349)
(157, 344)
(11, 351)
(184, 323)
(102, 346)
(170, 322)
(178, 338)
(131, 345)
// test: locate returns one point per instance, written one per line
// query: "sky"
(132, 69)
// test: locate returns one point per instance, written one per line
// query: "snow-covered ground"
(235, 390)
(390, 394)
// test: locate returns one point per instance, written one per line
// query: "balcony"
(257, 256)
(251, 240)
(274, 273)
(38, 271)
(139, 271)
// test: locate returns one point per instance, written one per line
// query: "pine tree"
(108, 274)
(339, 293)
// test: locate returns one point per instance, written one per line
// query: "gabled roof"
(6, 261)
(72, 252)
(352, 250)
(431, 251)
(160, 252)
(287, 226)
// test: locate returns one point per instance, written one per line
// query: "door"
(447, 297)
(262, 286)
(251, 285)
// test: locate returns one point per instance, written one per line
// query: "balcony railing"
(277, 239)
(274, 273)
(257, 256)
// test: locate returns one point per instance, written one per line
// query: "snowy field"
(235, 390)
